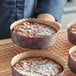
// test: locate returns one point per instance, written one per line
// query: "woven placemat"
(8, 49)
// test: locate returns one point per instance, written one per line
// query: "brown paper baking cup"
(35, 54)
(40, 42)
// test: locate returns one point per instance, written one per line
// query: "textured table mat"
(8, 49)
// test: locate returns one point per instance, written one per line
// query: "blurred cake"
(34, 33)
(28, 29)
(72, 32)
(37, 67)
(72, 59)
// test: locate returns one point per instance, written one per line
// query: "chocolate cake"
(72, 32)
(34, 33)
(37, 63)
(72, 59)
(37, 67)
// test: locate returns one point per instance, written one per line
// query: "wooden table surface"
(8, 49)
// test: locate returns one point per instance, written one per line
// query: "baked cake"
(37, 67)
(34, 33)
(72, 59)
(34, 30)
(72, 33)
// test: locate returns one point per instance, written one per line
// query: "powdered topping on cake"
(38, 67)
(34, 30)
